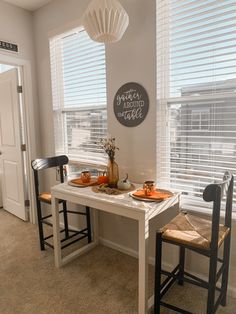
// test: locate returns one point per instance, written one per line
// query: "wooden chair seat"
(46, 197)
(192, 231)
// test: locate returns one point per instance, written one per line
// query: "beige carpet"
(102, 281)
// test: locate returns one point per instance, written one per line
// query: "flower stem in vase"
(113, 173)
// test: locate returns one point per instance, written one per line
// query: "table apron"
(102, 205)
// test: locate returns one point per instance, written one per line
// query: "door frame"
(28, 116)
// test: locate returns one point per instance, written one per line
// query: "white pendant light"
(105, 20)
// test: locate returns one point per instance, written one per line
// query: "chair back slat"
(209, 193)
(215, 193)
(229, 203)
(50, 162)
(45, 163)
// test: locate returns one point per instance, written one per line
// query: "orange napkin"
(156, 195)
(79, 182)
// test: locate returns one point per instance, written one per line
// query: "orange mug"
(85, 176)
(149, 187)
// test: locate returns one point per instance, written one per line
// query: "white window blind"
(78, 72)
(196, 90)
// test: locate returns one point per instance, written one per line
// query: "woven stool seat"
(45, 197)
(192, 231)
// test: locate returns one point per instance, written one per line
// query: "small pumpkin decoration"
(124, 184)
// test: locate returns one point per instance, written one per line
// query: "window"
(79, 96)
(200, 119)
(196, 94)
(5, 67)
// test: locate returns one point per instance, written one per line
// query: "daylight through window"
(78, 73)
(196, 91)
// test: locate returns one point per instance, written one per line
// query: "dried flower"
(108, 145)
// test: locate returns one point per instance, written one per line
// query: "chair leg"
(40, 225)
(157, 292)
(224, 282)
(65, 219)
(181, 265)
(212, 283)
(88, 224)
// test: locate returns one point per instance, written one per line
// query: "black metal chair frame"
(212, 193)
(57, 162)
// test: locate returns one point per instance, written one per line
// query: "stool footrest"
(51, 235)
(48, 244)
(47, 223)
(46, 217)
(76, 212)
(83, 234)
(218, 301)
(82, 237)
(169, 276)
(75, 233)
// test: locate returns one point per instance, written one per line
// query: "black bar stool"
(204, 237)
(45, 197)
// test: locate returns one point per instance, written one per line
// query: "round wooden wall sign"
(131, 104)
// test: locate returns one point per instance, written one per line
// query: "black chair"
(204, 237)
(45, 197)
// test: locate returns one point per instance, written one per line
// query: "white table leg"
(143, 266)
(95, 226)
(56, 232)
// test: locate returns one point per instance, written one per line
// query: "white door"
(11, 156)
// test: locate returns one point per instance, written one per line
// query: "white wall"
(16, 25)
(131, 59)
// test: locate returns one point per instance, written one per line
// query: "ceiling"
(28, 4)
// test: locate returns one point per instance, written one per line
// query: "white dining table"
(123, 205)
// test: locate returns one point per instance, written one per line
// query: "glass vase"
(113, 173)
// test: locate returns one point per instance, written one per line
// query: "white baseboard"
(151, 260)
(232, 292)
(123, 249)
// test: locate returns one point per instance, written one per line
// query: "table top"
(85, 194)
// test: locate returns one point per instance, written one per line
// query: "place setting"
(84, 180)
(100, 184)
(150, 193)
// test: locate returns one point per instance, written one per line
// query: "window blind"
(196, 90)
(78, 72)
